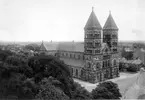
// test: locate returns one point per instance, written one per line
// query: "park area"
(125, 81)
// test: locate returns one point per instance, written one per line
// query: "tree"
(33, 47)
(132, 68)
(48, 91)
(79, 92)
(45, 66)
(17, 85)
(127, 55)
(102, 93)
(106, 90)
(40, 76)
(4, 54)
(122, 66)
(17, 64)
(14, 74)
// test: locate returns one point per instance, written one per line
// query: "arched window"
(114, 62)
(79, 56)
(70, 55)
(76, 72)
(81, 73)
(74, 56)
(89, 65)
(103, 64)
(72, 71)
(106, 63)
(107, 74)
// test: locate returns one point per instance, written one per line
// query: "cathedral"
(95, 59)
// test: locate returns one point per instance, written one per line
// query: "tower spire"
(110, 23)
(42, 47)
(93, 21)
(109, 11)
(92, 8)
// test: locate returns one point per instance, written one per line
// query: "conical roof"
(93, 22)
(110, 23)
(42, 47)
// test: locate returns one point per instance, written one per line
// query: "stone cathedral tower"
(100, 50)
(92, 49)
(110, 36)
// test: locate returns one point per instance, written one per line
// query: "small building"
(127, 63)
(139, 53)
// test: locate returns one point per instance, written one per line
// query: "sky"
(64, 20)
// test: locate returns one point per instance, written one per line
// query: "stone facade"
(99, 59)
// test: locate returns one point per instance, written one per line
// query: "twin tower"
(95, 34)
(100, 50)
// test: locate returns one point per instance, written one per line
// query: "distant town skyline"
(64, 20)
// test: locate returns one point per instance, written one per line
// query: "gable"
(105, 48)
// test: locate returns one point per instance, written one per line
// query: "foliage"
(121, 66)
(4, 54)
(127, 55)
(106, 90)
(45, 66)
(132, 68)
(80, 93)
(14, 73)
(139, 45)
(44, 77)
(15, 60)
(33, 47)
(18, 86)
(102, 93)
(48, 90)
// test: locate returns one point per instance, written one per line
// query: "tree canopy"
(106, 90)
(44, 77)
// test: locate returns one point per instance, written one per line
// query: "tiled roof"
(93, 22)
(128, 49)
(51, 45)
(138, 61)
(71, 46)
(65, 46)
(73, 62)
(110, 23)
(68, 46)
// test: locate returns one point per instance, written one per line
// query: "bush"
(49, 91)
(121, 66)
(106, 90)
(79, 93)
(132, 68)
